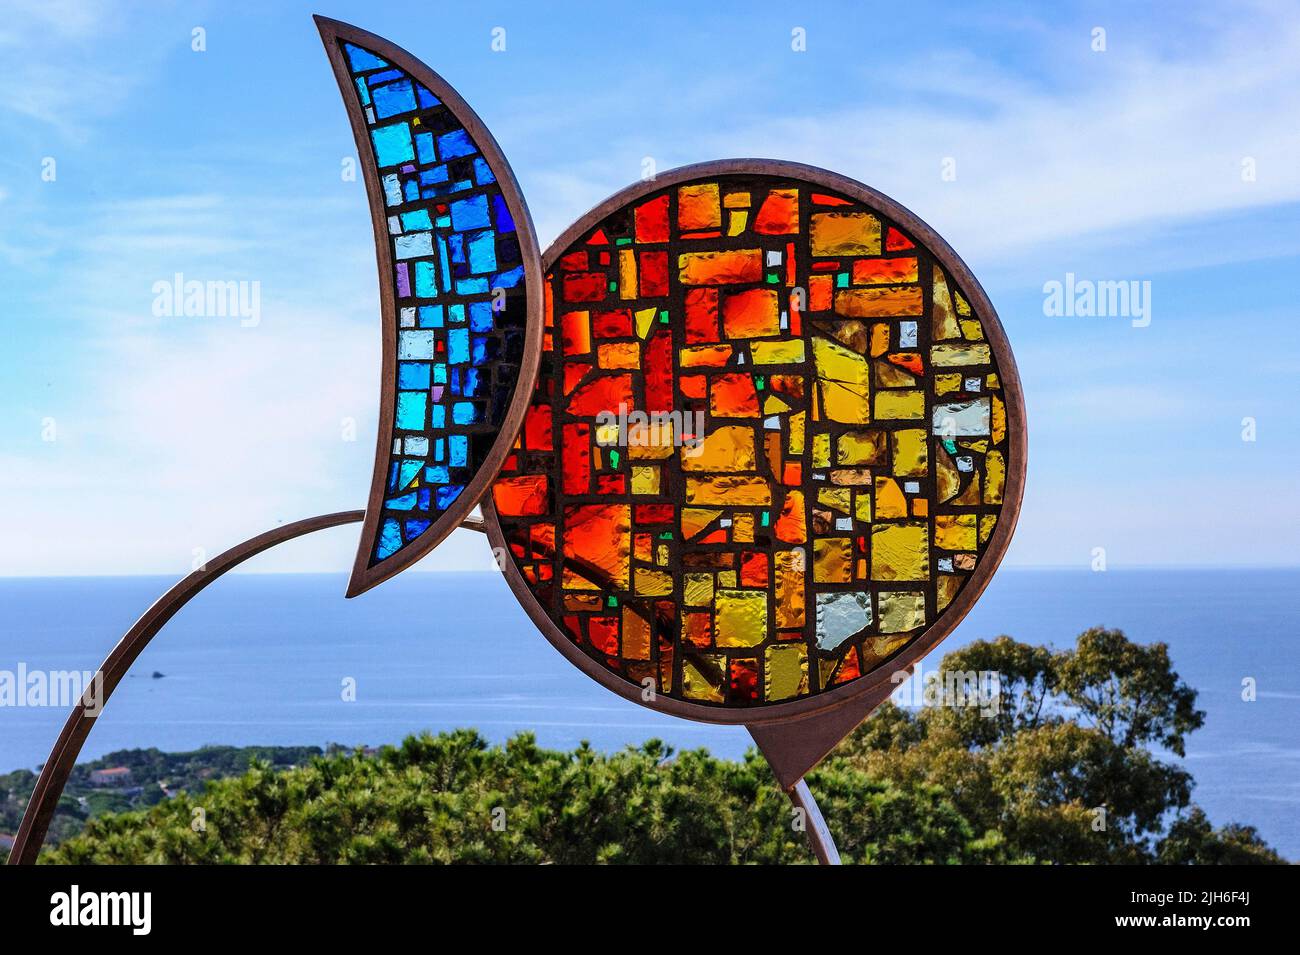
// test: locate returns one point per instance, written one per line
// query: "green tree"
(1063, 764)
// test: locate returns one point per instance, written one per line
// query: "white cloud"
(1136, 138)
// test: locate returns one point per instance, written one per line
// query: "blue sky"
(172, 434)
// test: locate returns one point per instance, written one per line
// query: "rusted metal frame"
(364, 575)
(58, 766)
(872, 683)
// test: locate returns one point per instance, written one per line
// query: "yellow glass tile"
(995, 470)
(972, 330)
(627, 287)
(698, 207)
(698, 590)
(727, 578)
(954, 531)
(943, 323)
(844, 233)
(729, 490)
(909, 452)
(727, 448)
(963, 307)
(999, 420)
(879, 339)
(879, 302)
(737, 219)
(777, 352)
(947, 479)
(836, 498)
(661, 555)
(785, 671)
(645, 320)
(861, 447)
(987, 523)
(695, 519)
(619, 355)
(948, 356)
(740, 618)
(790, 568)
(848, 405)
(900, 405)
(970, 496)
(571, 580)
(899, 551)
(991, 381)
(696, 686)
(901, 610)
(862, 506)
(947, 383)
(742, 528)
(774, 405)
(636, 635)
(945, 589)
(797, 433)
(833, 560)
(645, 479)
(821, 450)
(651, 440)
(652, 583)
(890, 500)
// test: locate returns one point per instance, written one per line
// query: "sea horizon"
(260, 659)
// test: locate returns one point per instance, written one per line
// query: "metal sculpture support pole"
(819, 837)
(57, 768)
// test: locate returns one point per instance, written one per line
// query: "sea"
(270, 658)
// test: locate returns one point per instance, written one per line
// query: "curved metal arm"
(57, 768)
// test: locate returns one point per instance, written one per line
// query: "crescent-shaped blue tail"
(460, 295)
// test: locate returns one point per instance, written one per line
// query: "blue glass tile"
(508, 279)
(363, 60)
(482, 251)
(455, 144)
(390, 539)
(480, 316)
(458, 449)
(415, 528)
(470, 213)
(411, 406)
(415, 221)
(505, 222)
(458, 346)
(412, 376)
(393, 144)
(393, 98)
(425, 283)
(448, 494)
(427, 99)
